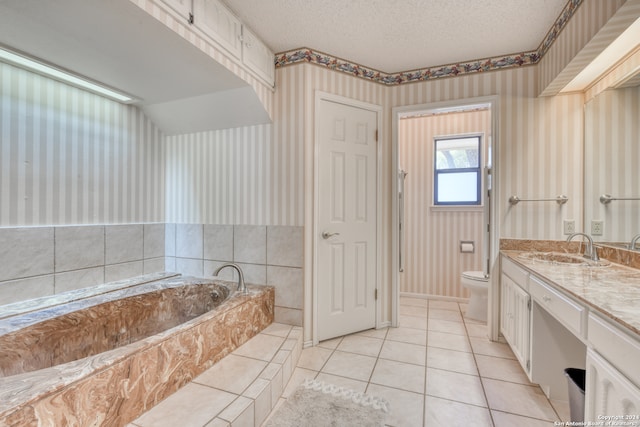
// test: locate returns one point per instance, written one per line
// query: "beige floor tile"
(500, 368)
(374, 333)
(451, 360)
(348, 383)
(518, 399)
(361, 345)
(330, 344)
(350, 365)
(406, 408)
(491, 348)
(502, 419)
(448, 341)
(217, 422)
(277, 406)
(297, 377)
(455, 386)
(192, 405)
(413, 322)
(260, 392)
(477, 330)
(233, 374)
(562, 409)
(410, 310)
(444, 305)
(314, 358)
(447, 413)
(412, 336)
(277, 329)
(400, 375)
(403, 352)
(456, 328)
(262, 347)
(450, 315)
(240, 413)
(417, 302)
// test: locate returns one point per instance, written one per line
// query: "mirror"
(612, 163)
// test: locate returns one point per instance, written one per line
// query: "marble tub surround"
(240, 390)
(65, 333)
(613, 291)
(610, 253)
(42, 261)
(23, 307)
(115, 387)
(270, 255)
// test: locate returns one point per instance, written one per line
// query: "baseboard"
(433, 297)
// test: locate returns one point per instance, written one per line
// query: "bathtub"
(106, 359)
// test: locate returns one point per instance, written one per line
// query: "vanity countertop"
(613, 291)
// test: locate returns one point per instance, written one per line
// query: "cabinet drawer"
(517, 274)
(617, 346)
(569, 313)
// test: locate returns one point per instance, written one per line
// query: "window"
(457, 170)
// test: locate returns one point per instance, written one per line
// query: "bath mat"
(318, 404)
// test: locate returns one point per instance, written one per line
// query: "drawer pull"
(546, 298)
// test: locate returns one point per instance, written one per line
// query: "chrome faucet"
(591, 251)
(241, 285)
(632, 245)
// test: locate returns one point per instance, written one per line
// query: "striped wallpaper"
(612, 156)
(433, 261)
(71, 157)
(557, 67)
(221, 177)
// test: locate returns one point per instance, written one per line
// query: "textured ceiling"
(401, 35)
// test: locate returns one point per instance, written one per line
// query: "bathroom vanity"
(557, 314)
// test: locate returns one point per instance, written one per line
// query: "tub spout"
(241, 285)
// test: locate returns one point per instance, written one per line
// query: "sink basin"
(560, 258)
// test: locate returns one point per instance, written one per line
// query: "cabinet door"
(257, 56)
(217, 22)
(608, 392)
(506, 310)
(516, 320)
(183, 7)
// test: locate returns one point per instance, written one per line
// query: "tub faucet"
(241, 286)
(591, 251)
(632, 245)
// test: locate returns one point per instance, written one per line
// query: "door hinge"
(528, 365)
(529, 304)
(376, 135)
(375, 293)
(190, 20)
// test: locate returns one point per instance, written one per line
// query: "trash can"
(576, 380)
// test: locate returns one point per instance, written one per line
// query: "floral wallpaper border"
(451, 70)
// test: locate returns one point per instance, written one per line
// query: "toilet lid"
(475, 275)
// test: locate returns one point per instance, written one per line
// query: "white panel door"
(346, 224)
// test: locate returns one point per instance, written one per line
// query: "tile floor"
(436, 369)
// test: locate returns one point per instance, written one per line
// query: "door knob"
(326, 234)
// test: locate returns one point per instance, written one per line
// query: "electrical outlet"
(569, 226)
(597, 228)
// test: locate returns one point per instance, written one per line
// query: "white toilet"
(478, 285)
